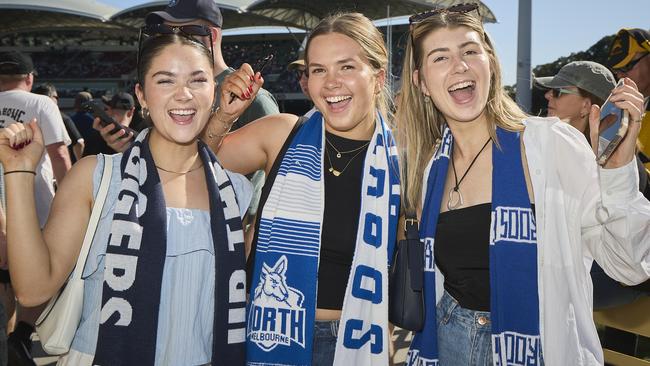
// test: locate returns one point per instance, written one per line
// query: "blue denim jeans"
(464, 336)
(324, 342)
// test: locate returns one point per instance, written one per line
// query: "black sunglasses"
(558, 92)
(300, 73)
(193, 32)
(460, 8)
(630, 65)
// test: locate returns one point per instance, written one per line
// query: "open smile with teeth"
(182, 112)
(338, 98)
(462, 85)
(182, 116)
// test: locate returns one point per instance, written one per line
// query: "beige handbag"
(59, 321)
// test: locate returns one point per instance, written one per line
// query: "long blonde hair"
(360, 29)
(419, 123)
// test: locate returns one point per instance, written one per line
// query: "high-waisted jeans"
(325, 333)
(464, 336)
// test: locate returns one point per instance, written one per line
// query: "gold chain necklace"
(335, 172)
(179, 173)
(339, 153)
(455, 198)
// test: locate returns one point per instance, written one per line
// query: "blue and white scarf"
(514, 301)
(283, 291)
(135, 257)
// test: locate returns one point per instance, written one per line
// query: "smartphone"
(611, 115)
(96, 108)
(259, 65)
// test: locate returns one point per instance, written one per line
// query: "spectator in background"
(628, 57)
(121, 108)
(207, 13)
(76, 148)
(18, 105)
(81, 118)
(570, 94)
(298, 66)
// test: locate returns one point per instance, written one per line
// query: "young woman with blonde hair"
(516, 206)
(328, 215)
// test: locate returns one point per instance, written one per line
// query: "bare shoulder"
(78, 180)
(274, 123)
(272, 129)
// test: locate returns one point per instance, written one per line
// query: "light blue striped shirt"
(186, 312)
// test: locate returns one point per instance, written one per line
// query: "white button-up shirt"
(583, 213)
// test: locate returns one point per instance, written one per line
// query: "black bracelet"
(20, 171)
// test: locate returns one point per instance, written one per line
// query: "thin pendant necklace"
(340, 153)
(335, 172)
(179, 173)
(455, 198)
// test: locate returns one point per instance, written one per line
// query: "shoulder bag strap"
(96, 213)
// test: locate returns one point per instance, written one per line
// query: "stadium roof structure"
(307, 13)
(36, 15)
(234, 14)
(27, 16)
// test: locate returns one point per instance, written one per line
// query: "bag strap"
(96, 213)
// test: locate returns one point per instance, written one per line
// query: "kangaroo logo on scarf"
(278, 316)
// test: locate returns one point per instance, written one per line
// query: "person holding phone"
(120, 107)
(513, 208)
(164, 279)
(570, 94)
(327, 222)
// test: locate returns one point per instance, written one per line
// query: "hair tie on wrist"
(20, 171)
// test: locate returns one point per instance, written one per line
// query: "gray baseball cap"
(586, 75)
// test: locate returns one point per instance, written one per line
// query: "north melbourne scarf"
(514, 301)
(283, 294)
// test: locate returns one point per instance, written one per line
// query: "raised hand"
(238, 91)
(628, 98)
(21, 146)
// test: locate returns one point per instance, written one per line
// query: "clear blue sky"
(559, 26)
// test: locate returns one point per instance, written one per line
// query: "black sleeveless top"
(462, 254)
(340, 216)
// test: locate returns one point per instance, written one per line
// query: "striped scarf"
(283, 297)
(135, 257)
(514, 301)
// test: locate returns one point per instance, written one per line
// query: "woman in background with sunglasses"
(164, 279)
(516, 206)
(570, 94)
(328, 215)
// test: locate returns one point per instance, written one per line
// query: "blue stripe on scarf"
(282, 308)
(513, 258)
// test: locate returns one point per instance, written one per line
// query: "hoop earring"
(427, 98)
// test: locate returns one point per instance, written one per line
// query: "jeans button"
(482, 320)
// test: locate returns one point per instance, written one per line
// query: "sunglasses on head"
(460, 8)
(630, 65)
(193, 32)
(456, 9)
(557, 92)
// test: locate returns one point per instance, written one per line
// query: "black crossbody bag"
(406, 279)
